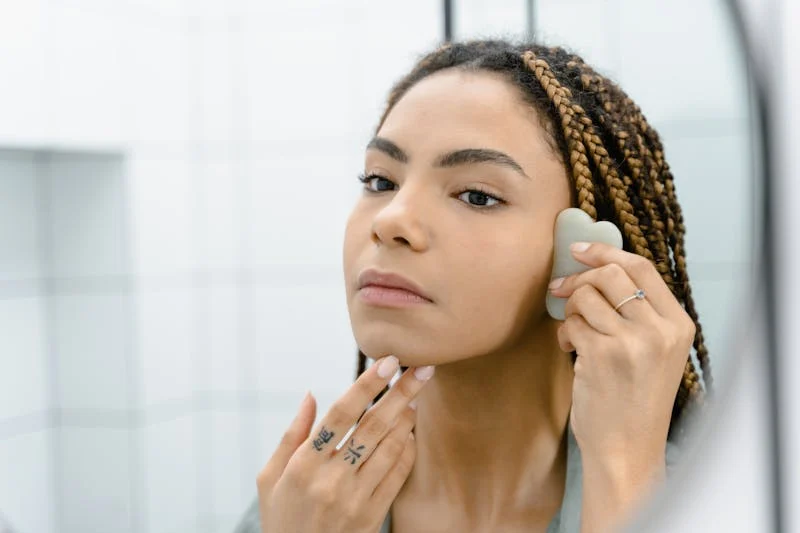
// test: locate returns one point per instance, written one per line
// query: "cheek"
(503, 287)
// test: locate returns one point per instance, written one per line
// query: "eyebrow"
(455, 158)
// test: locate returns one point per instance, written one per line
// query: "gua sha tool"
(574, 225)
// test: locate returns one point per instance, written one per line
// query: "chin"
(375, 346)
(408, 352)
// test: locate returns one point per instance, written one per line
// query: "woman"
(529, 423)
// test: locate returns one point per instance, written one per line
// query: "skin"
(489, 452)
(479, 454)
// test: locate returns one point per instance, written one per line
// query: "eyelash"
(366, 178)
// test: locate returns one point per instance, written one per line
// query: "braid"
(614, 158)
(659, 208)
(649, 191)
(572, 131)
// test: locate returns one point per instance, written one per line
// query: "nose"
(400, 222)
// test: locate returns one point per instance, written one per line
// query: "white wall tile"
(219, 217)
(87, 218)
(223, 334)
(91, 337)
(228, 498)
(416, 28)
(156, 76)
(679, 59)
(261, 431)
(96, 475)
(310, 194)
(25, 486)
(24, 48)
(214, 86)
(303, 338)
(713, 183)
(86, 73)
(161, 9)
(590, 28)
(165, 322)
(484, 18)
(162, 199)
(212, 11)
(23, 359)
(19, 216)
(169, 468)
(298, 90)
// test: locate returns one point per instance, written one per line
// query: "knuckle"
(405, 389)
(339, 414)
(373, 426)
(582, 293)
(262, 481)
(393, 447)
(691, 329)
(641, 265)
(615, 272)
(365, 388)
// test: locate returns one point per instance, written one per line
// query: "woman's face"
(461, 197)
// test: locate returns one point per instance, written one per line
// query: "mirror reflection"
(210, 210)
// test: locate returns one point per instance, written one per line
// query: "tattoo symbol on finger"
(354, 452)
(322, 439)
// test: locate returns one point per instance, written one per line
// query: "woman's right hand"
(309, 486)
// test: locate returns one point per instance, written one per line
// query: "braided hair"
(614, 158)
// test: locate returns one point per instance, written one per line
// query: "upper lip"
(389, 279)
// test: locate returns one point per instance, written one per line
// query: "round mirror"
(178, 182)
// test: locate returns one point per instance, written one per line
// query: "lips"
(375, 278)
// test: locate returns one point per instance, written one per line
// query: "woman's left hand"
(629, 366)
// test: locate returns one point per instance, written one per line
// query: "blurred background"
(174, 180)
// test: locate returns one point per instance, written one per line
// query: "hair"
(613, 157)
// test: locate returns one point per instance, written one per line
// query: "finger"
(587, 302)
(613, 283)
(377, 422)
(576, 335)
(295, 435)
(641, 271)
(388, 451)
(345, 412)
(388, 489)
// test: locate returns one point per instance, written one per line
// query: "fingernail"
(556, 283)
(423, 373)
(387, 367)
(413, 404)
(580, 246)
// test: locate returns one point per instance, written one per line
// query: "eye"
(375, 183)
(479, 199)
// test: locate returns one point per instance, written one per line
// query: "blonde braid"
(579, 163)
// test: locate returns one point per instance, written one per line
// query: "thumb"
(295, 435)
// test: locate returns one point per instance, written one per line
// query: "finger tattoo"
(322, 439)
(353, 452)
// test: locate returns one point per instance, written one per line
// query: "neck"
(491, 434)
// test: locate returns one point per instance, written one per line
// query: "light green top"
(566, 520)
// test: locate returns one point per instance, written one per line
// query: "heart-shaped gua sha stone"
(574, 225)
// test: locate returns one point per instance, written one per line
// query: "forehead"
(454, 109)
